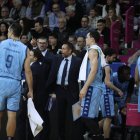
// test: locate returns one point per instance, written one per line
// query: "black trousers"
(67, 128)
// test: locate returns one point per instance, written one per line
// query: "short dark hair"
(123, 68)
(37, 54)
(39, 20)
(53, 35)
(101, 21)
(43, 38)
(70, 45)
(16, 29)
(109, 52)
(95, 35)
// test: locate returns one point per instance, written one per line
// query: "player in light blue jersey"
(13, 56)
(137, 81)
(137, 73)
(107, 99)
(91, 92)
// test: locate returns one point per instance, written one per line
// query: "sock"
(10, 138)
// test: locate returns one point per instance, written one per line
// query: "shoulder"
(77, 59)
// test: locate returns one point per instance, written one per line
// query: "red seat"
(124, 58)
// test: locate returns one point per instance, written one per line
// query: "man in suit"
(42, 44)
(63, 80)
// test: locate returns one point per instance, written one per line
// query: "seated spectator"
(103, 30)
(80, 49)
(111, 17)
(18, 11)
(49, 4)
(3, 37)
(113, 4)
(7, 3)
(73, 40)
(35, 9)
(3, 28)
(78, 8)
(39, 30)
(62, 31)
(5, 15)
(85, 28)
(73, 20)
(94, 17)
(26, 25)
(54, 15)
(24, 39)
(54, 44)
(87, 4)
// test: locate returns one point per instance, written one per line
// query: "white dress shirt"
(60, 71)
(44, 52)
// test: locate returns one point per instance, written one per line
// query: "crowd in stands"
(46, 26)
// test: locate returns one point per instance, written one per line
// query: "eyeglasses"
(43, 43)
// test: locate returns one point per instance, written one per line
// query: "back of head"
(95, 35)
(16, 29)
(124, 73)
(109, 52)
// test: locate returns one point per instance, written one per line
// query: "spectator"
(39, 30)
(54, 15)
(62, 31)
(18, 11)
(113, 4)
(103, 30)
(85, 28)
(35, 9)
(79, 12)
(80, 49)
(72, 18)
(3, 28)
(5, 15)
(26, 25)
(73, 40)
(94, 17)
(49, 4)
(111, 17)
(54, 44)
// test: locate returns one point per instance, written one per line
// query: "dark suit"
(66, 96)
(40, 71)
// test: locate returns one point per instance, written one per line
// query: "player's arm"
(137, 79)
(28, 74)
(109, 83)
(93, 57)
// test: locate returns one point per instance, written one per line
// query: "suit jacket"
(40, 72)
(72, 78)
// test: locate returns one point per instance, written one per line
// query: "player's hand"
(82, 93)
(120, 93)
(30, 94)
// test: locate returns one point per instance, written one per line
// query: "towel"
(82, 73)
(34, 118)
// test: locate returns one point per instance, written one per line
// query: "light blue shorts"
(91, 102)
(107, 105)
(10, 92)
